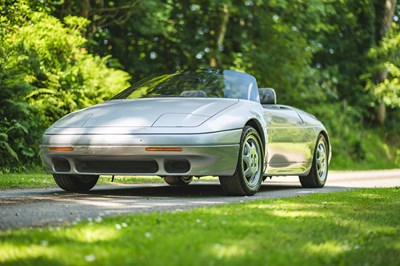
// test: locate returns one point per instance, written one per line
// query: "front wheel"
(246, 180)
(178, 180)
(318, 174)
(76, 183)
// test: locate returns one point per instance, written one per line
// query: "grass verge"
(36, 180)
(358, 227)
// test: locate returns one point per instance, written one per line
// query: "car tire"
(76, 183)
(246, 180)
(178, 180)
(318, 174)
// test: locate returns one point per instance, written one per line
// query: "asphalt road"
(51, 207)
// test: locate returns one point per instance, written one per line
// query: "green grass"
(358, 227)
(36, 180)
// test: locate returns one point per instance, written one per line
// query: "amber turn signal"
(164, 149)
(60, 149)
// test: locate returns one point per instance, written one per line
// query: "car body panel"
(128, 160)
(291, 139)
(141, 113)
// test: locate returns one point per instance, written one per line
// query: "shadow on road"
(160, 190)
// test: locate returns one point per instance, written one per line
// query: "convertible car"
(189, 124)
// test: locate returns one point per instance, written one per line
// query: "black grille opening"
(101, 166)
(61, 165)
(177, 166)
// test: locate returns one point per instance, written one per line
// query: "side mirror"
(267, 95)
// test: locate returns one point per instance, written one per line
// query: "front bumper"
(200, 154)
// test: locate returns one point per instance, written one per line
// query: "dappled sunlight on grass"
(278, 204)
(290, 210)
(51, 244)
(11, 253)
(371, 196)
(381, 231)
(296, 214)
(91, 234)
(329, 248)
(25, 180)
(229, 251)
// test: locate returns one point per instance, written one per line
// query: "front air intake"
(128, 166)
(61, 164)
(177, 166)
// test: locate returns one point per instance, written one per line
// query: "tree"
(386, 11)
(253, 36)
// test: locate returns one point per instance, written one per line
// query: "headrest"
(267, 95)
(193, 93)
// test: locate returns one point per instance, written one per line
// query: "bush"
(45, 73)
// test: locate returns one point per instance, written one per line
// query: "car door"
(286, 138)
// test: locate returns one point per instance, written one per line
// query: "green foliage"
(65, 76)
(312, 51)
(356, 227)
(305, 49)
(19, 122)
(356, 146)
(339, 120)
(45, 73)
(387, 58)
(346, 136)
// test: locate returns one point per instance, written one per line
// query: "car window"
(199, 83)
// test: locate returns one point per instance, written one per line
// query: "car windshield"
(200, 83)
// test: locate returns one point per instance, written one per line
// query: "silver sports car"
(186, 124)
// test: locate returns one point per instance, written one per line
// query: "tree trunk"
(389, 9)
(220, 35)
(85, 9)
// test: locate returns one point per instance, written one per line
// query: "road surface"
(51, 207)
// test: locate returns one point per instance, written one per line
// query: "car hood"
(152, 112)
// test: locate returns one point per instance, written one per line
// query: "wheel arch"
(257, 126)
(325, 134)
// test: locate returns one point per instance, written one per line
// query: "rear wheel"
(318, 174)
(178, 180)
(249, 171)
(76, 183)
